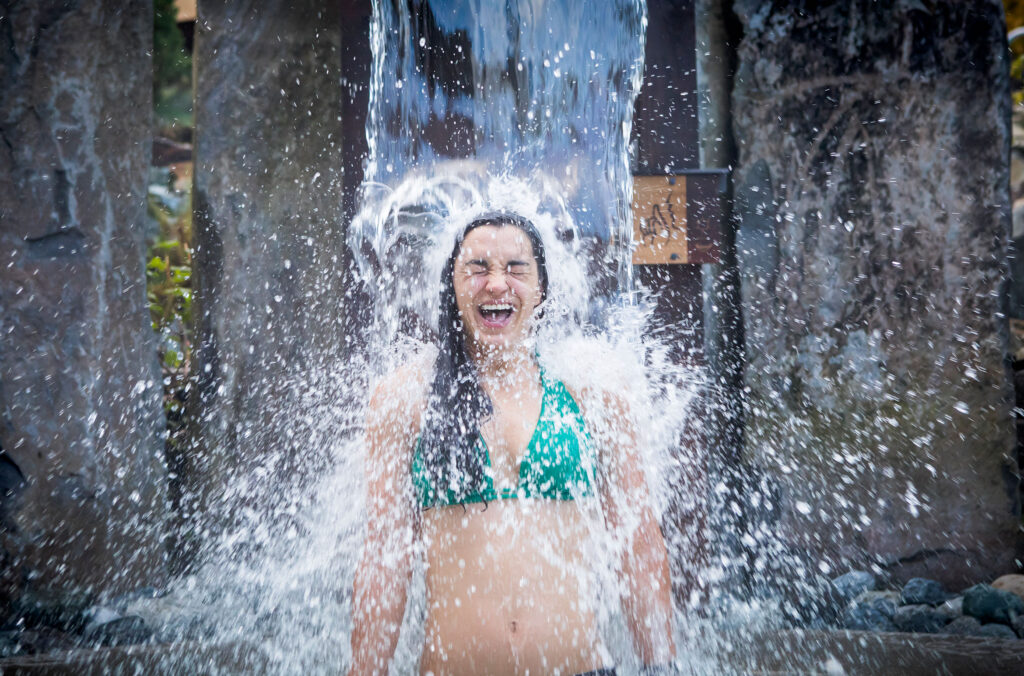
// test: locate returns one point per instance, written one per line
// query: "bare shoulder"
(603, 382)
(401, 395)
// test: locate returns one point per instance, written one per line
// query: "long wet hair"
(457, 404)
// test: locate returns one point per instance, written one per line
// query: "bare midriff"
(508, 590)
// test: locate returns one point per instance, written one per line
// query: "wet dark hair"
(457, 403)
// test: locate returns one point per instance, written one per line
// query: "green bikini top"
(557, 465)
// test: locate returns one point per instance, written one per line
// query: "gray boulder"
(919, 618)
(853, 584)
(963, 626)
(922, 590)
(871, 611)
(953, 608)
(989, 604)
(1018, 625)
(996, 631)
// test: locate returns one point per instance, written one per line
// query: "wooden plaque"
(659, 220)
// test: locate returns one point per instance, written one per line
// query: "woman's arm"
(385, 568)
(647, 597)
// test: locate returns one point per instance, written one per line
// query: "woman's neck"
(505, 367)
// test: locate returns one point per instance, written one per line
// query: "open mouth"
(496, 315)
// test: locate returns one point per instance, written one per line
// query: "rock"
(996, 631)
(857, 242)
(952, 608)
(922, 590)
(1011, 583)
(989, 604)
(871, 611)
(122, 631)
(1018, 625)
(919, 618)
(81, 395)
(852, 584)
(963, 626)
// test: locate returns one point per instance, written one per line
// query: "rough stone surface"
(996, 631)
(1018, 625)
(872, 194)
(992, 605)
(81, 455)
(853, 584)
(963, 626)
(919, 618)
(923, 590)
(953, 608)
(871, 611)
(269, 236)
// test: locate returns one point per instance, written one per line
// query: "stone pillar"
(82, 498)
(268, 238)
(716, 31)
(872, 191)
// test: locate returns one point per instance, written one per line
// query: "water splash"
(524, 107)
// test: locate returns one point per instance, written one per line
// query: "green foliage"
(169, 291)
(172, 66)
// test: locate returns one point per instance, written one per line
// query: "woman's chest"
(509, 432)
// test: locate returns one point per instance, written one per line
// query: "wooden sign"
(677, 218)
(659, 220)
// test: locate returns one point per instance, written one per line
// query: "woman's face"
(497, 286)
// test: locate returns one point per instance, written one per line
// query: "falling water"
(519, 89)
(521, 106)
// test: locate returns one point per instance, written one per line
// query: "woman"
(488, 468)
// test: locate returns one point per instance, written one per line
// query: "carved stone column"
(82, 497)
(269, 245)
(872, 190)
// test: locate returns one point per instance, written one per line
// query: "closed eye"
(518, 267)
